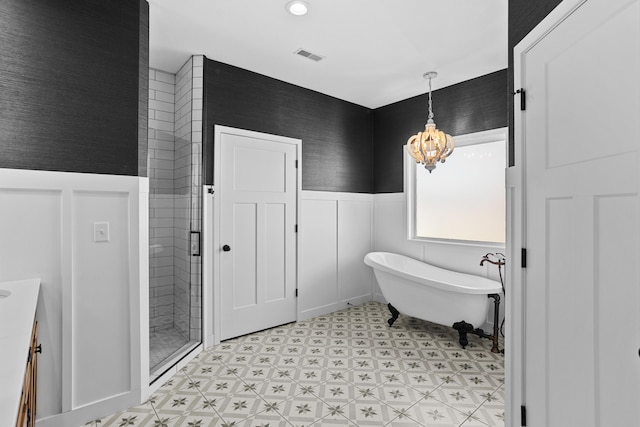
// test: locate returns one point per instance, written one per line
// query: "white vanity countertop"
(17, 313)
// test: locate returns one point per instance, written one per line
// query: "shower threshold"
(166, 351)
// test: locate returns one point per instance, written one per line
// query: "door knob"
(226, 248)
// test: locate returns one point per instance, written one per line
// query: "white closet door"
(258, 191)
(582, 208)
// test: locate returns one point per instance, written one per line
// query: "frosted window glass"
(464, 198)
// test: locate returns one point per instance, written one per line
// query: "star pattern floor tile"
(347, 368)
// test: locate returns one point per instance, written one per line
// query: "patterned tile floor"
(344, 369)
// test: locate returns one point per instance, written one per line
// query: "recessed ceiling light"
(298, 7)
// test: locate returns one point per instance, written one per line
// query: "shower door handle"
(226, 248)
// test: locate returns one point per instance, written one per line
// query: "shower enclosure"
(174, 168)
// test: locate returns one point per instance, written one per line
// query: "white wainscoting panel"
(318, 287)
(389, 230)
(31, 242)
(355, 223)
(335, 235)
(92, 312)
(100, 290)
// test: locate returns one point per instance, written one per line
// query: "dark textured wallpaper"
(143, 88)
(336, 135)
(471, 106)
(69, 79)
(73, 78)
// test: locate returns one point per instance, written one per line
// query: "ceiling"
(375, 51)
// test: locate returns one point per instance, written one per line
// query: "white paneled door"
(581, 135)
(258, 214)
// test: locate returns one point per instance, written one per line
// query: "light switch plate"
(100, 231)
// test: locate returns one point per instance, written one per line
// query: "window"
(463, 199)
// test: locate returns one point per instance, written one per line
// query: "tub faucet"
(499, 259)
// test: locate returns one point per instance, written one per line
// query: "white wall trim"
(516, 225)
(389, 197)
(491, 135)
(208, 201)
(331, 195)
(410, 188)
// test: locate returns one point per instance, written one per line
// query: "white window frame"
(410, 169)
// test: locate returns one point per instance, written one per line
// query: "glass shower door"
(174, 170)
(174, 264)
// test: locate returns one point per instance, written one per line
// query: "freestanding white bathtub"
(431, 293)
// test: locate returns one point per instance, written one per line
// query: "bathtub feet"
(463, 329)
(394, 314)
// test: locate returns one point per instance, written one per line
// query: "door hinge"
(295, 228)
(523, 416)
(296, 164)
(523, 258)
(523, 98)
(296, 292)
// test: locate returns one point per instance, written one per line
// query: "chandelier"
(432, 145)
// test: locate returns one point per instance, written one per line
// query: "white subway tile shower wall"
(175, 167)
(161, 199)
(182, 174)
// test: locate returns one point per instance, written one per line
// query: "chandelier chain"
(430, 102)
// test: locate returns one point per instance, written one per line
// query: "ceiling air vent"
(309, 55)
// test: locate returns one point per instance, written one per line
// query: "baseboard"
(321, 311)
(359, 300)
(379, 298)
(103, 408)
